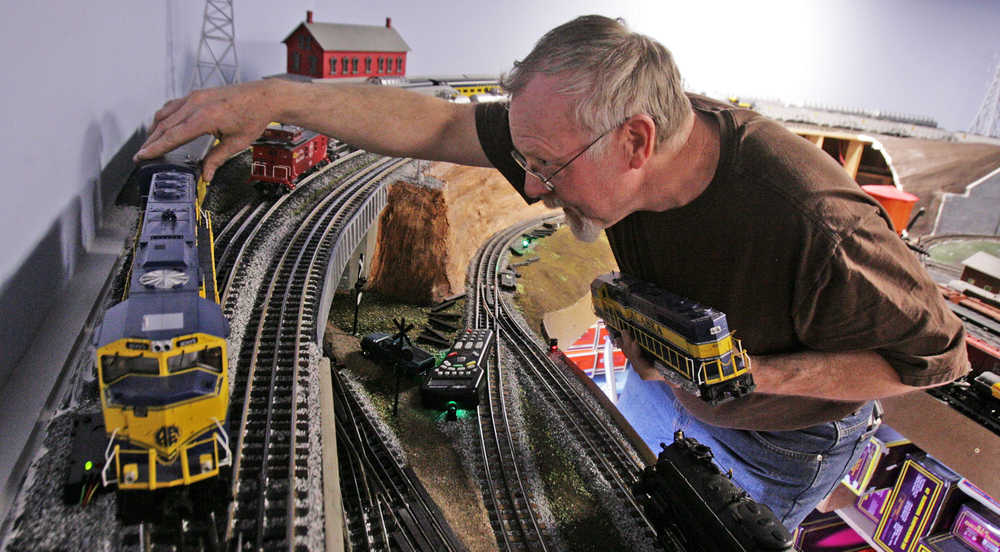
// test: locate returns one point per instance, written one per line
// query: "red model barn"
(339, 50)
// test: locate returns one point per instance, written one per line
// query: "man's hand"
(236, 115)
(642, 365)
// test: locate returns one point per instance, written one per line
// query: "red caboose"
(284, 153)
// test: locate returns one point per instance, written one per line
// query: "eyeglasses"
(547, 180)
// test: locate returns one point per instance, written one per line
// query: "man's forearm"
(848, 376)
(379, 119)
(384, 120)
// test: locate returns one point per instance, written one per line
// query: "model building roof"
(985, 263)
(344, 37)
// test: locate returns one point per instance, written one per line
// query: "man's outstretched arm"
(383, 120)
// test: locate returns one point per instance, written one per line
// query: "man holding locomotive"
(708, 201)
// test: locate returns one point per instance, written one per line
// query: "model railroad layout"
(270, 498)
(275, 303)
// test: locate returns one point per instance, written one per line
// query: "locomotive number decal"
(167, 436)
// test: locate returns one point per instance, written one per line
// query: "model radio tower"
(217, 63)
(987, 121)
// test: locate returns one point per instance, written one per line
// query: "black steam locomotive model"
(690, 344)
(687, 491)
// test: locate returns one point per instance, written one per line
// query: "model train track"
(241, 235)
(512, 509)
(601, 444)
(235, 234)
(387, 507)
(271, 388)
(236, 245)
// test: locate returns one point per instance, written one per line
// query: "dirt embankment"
(429, 231)
(931, 168)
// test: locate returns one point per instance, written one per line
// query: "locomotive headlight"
(163, 345)
(130, 473)
(206, 462)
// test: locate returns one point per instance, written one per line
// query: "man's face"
(546, 135)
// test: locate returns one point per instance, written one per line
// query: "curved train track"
(387, 508)
(240, 235)
(618, 463)
(271, 388)
(271, 507)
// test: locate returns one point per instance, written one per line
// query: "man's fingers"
(219, 154)
(168, 109)
(178, 118)
(647, 372)
(164, 118)
(168, 137)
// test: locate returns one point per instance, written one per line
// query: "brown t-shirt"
(795, 253)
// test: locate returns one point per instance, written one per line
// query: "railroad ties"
(513, 509)
(272, 396)
(388, 508)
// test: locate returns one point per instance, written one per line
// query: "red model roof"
(889, 192)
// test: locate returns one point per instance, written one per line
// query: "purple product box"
(985, 500)
(872, 503)
(827, 533)
(979, 530)
(856, 479)
(922, 488)
(941, 543)
(895, 450)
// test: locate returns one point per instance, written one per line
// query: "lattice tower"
(987, 121)
(217, 62)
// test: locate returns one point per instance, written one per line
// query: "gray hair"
(616, 74)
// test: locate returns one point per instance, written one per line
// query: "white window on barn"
(295, 61)
(343, 66)
(368, 65)
(381, 65)
(313, 65)
(354, 65)
(333, 66)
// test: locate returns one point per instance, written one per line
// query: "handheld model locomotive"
(161, 352)
(690, 344)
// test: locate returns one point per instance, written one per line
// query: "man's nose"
(533, 186)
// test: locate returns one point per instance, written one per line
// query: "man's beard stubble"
(584, 229)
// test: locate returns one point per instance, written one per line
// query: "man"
(707, 201)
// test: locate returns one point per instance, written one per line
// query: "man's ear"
(640, 133)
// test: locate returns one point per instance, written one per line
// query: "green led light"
(88, 465)
(525, 243)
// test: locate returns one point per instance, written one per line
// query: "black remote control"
(460, 375)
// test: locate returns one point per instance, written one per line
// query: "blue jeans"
(788, 471)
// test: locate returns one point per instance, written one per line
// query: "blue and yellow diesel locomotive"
(161, 352)
(690, 344)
